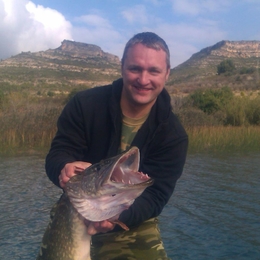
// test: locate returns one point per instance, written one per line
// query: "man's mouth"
(142, 88)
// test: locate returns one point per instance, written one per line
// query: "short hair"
(150, 40)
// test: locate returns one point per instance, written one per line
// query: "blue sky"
(186, 25)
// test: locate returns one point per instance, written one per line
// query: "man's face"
(144, 74)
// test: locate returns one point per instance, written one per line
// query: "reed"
(201, 139)
(224, 139)
(29, 124)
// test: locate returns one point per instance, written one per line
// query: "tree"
(226, 66)
(211, 100)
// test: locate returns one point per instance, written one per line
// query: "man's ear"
(167, 74)
(121, 69)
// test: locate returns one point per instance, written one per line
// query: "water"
(213, 214)
(215, 210)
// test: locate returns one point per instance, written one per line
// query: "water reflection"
(214, 213)
(216, 209)
(26, 197)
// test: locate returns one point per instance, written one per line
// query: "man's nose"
(143, 78)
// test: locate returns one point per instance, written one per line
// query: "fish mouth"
(125, 171)
(106, 189)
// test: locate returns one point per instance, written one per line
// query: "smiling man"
(101, 122)
(145, 71)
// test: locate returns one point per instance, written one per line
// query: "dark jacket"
(89, 129)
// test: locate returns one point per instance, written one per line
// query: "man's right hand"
(71, 169)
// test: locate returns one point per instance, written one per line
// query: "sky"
(187, 26)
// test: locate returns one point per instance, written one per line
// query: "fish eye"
(113, 195)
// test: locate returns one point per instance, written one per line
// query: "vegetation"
(224, 139)
(211, 100)
(27, 122)
(217, 102)
(216, 119)
(221, 107)
(226, 66)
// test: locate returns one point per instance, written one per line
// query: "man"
(132, 111)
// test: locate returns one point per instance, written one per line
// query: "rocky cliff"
(75, 63)
(84, 50)
(71, 63)
(231, 49)
(204, 63)
(200, 71)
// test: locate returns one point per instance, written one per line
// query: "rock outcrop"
(84, 50)
(204, 63)
(71, 63)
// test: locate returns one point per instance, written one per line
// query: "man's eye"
(154, 72)
(134, 70)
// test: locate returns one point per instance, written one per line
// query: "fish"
(100, 192)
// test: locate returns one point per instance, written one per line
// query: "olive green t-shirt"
(130, 126)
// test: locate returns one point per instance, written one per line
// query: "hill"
(200, 71)
(72, 63)
(76, 64)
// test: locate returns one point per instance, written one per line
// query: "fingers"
(71, 169)
(91, 229)
(62, 184)
(99, 227)
(66, 173)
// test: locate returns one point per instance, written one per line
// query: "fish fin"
(121, 224)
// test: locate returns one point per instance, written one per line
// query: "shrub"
(235, 112)
(243, 111)
(191, 117)
(222, 106)
(225, 66)
(247, 70)
(210, 100)
(50, 93)
(72, 93)
(253, 111)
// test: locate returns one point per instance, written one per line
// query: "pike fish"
(101, 192)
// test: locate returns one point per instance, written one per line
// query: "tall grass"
(224, 138)
(29, 123)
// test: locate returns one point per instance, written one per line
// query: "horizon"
(187, 26)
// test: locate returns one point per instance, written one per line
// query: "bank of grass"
(28, 124)
(218, 139)
(224, 139)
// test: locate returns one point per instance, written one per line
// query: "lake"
(214, 212)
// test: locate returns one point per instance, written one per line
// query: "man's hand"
(71, 169)
(99, 227)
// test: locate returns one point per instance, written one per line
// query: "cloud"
(197, 7)
(25, 26)
(186, 25)
(136, 14)
(185, 39)
(93, 20)
(95, 29)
